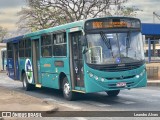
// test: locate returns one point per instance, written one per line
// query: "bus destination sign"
(112, 23)
(108, 24)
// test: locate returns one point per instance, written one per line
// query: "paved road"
(141, 99)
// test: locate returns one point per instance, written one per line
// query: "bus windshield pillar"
(149, 50)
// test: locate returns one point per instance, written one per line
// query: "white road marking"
(124, 101)
(129, 102)
(133, 96)
(71, 106)
(156, 95)
(96, 103)
(80, 118)
(63, 104)
(144, 98)
(148, 99)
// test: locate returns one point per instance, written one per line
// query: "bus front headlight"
(102, 79)
(90, 75)
(96, 77)
(137, 76)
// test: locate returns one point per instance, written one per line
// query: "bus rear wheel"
(113, 93)
(67, 92)
(26, 85)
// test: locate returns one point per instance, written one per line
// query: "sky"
(8, 13)
(9, 9)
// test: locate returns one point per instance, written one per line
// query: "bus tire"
(67, 93)
(113, 93)
(26, 85)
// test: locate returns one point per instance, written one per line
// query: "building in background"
(152, 41)
(2, 60)
(151, 33)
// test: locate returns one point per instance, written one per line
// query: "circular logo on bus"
(28, 69)
(118, 60)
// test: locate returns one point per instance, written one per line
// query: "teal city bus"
(93, 55)
(4, 58)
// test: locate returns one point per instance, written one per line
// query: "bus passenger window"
(22, 48)
(28, 48)
(46, 51)
(59, 46)
(46, 46)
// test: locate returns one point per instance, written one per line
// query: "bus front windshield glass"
(114, 48)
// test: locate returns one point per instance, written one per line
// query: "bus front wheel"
(113, 93)
(67, 92)
(26, 85)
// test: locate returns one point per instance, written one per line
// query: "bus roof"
(57, 28)
(68, 26)
(14, 39)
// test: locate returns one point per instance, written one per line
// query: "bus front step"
(78, 91)
(38, 85)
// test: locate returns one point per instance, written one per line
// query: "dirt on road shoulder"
(15, 101)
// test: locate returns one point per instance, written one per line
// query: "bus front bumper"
(99, 85)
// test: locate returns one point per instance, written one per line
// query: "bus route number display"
(111, 23)
(120, 24)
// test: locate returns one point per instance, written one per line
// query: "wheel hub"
(24, 83)
(67, 89)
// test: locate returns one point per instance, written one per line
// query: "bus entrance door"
(15, 57)
(36, 62)
(76, 60)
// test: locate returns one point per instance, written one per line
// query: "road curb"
(1, 118)
(153, 83)
(3, 71)
(52, 109)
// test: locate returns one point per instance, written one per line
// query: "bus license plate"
(121, 84)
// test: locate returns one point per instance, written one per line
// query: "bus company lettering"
(28, 69)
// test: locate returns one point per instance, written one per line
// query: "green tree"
(3, 33)
(41, 14)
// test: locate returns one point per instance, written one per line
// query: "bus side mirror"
(83, 41)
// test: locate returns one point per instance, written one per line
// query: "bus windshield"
(114, 48)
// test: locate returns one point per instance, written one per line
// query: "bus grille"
(117, 67)
(120, 78)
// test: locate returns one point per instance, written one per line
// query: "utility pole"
(155, 15)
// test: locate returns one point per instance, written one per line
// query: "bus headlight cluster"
(102, 79)
(141, 74)
(96, 77)
(137, 76)
(91, 75)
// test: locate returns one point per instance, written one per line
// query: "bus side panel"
(50, 73)
(50, 80)
(10, 68)
(21, 67)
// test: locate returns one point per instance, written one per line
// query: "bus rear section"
(12, 57)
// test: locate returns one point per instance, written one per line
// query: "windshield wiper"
(127, 44)
(106, 40)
